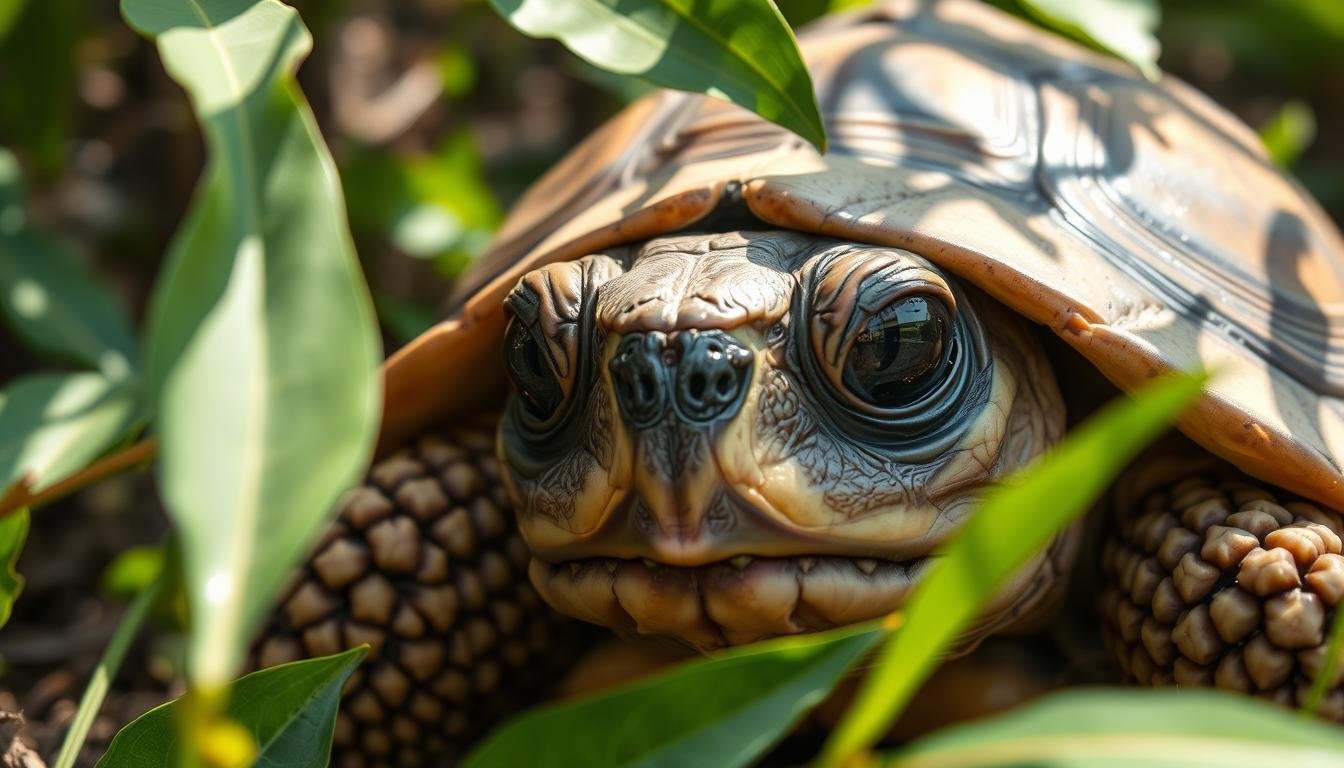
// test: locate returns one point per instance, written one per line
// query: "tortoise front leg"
(1216, 579)
(424, 563)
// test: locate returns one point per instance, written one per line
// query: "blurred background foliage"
(439, 115)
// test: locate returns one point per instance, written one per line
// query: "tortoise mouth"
(735, 601)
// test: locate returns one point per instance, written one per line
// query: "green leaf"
(55, 306)
(133, 571)
(9, 13)
(433, 206)
(402, 319)
(54, 424)
(1289, 132)
(1014, 521)
(48, 298)
(741, 51)
(723, 711)
(13, 532)
(37, 56)
(800, 12)
(1123, 727)
(1125, 28)
(100, 682)
(264, 350)
(289, 710)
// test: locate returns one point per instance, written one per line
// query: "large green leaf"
(48, 298)
(1013, 522)
(13, 531)
(264, 351)
(289, 710)
(1126, 28)
(738, 50)
(1121, 727)
(724, 711)
(53, 424)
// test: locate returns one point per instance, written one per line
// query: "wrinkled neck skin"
(695, 450)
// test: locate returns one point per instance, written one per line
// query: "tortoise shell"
(1137, 220)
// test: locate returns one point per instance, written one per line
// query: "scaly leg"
(1216, 579)
(424, 563)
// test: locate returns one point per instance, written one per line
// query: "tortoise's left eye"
(531, 374)
(900, 354)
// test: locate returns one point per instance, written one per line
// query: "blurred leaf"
(997, 540)
(57, 307)
(133, 571)
(12, 218)
(737, 50)
(54, 424)
(457, 70)
(13, 532)
(1124, 727)
(37, 58)
(264, 347)
(9, 13)
(432, 206)
(1123, 27)
(800, 12)
(402, 319)
(1289, 132)
(48, 298)
(289, 712)
(1285, 42)
(723, 711)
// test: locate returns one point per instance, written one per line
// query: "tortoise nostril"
(704, 374)
(637, 374)
(697, 385)
(711, 377)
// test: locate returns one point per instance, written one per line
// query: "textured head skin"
(702, 468)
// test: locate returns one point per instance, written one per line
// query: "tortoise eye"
(900, 354)
(531, 374)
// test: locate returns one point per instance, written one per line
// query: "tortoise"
(710, 385)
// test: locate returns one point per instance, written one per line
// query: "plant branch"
(115, 463)
(104, 673)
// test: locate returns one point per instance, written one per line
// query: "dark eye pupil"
(531, 376)
(895, 356)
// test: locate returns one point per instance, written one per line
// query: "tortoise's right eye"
(531, 374)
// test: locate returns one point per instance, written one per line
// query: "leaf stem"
(104, 673)
(124, 460)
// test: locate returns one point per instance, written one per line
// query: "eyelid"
(550, 302)
(851, 287)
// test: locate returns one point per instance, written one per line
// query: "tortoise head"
(727, 437)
